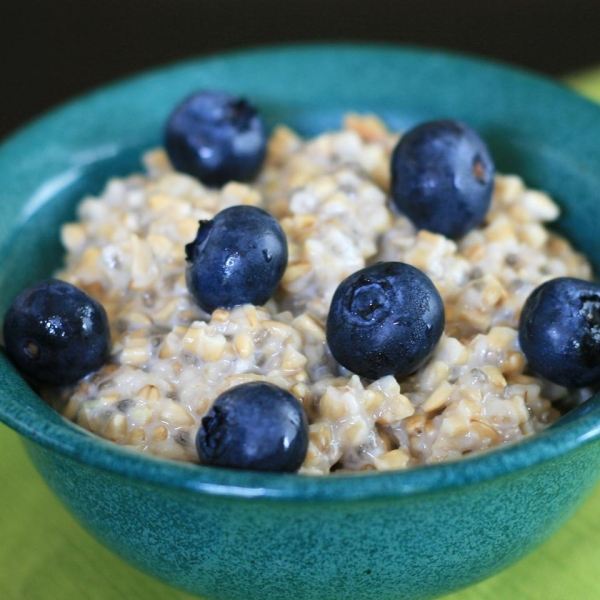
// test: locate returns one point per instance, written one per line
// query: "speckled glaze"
(248, 536)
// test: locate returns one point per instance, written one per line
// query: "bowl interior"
(535, 128)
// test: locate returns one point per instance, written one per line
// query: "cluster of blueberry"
(385, 319)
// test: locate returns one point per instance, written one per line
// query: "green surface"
(587, 82)
(65, 563)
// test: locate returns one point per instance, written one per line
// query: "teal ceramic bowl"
(246, 536)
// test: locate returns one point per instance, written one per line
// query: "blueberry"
(237, 258)
(216, 138)
(256, 426)
(559, 331)
(442, 177)
(385, 320)
(55, 333)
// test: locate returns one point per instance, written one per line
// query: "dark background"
(51, 50)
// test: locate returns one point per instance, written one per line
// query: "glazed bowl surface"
(231, 535)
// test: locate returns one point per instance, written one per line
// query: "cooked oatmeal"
(170, 360)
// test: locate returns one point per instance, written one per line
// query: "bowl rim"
(54, 433)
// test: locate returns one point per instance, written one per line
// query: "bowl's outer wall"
(403, 547)
(406, 548)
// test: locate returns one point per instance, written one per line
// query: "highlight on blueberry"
(442, 177)
(56, 333)
(238, 257)
(559, 331)
(385, 319)
(216, 138)
(256, 426)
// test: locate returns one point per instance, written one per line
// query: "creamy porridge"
(170, 360)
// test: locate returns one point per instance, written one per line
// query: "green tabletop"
(46, 555)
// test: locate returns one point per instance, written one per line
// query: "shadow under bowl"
(247, 536)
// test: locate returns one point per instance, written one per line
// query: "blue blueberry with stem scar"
(216, 138)
(257, 426)
(238, 257)
(385, 319)
(442, 177)
(559, 331)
